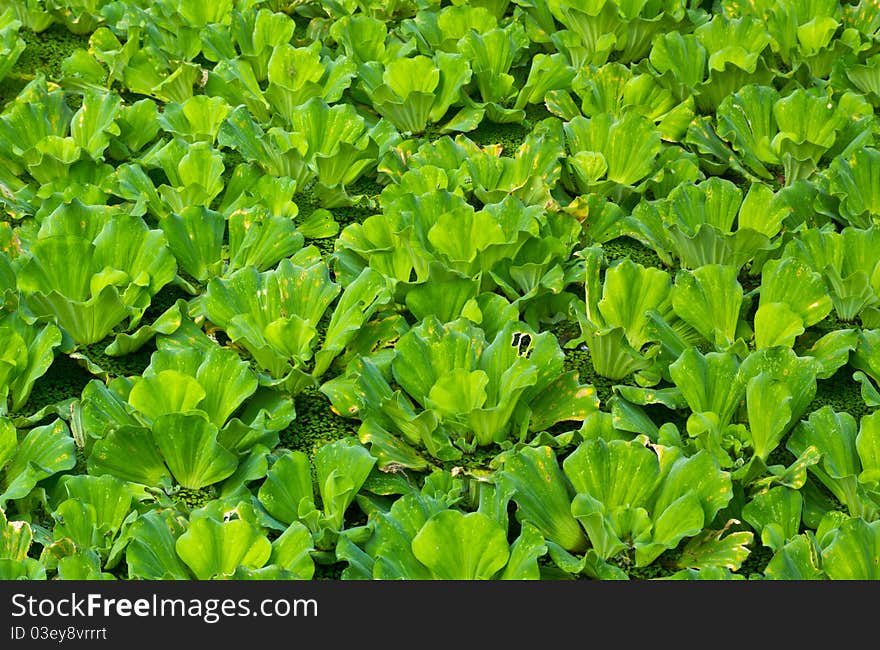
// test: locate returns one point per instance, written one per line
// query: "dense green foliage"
(499, 289)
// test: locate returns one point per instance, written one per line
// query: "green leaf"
(287, 484)
(797, 560)
(543, 495)
(320, 224)
(868, 447)
(287, 91)
(780, 388)
(615, 473)
(362, 36)
(852, 552)
(709, 383)
(336, 140)
(165, 392)
(78, 522)
(26, 569)
(274, 313)
(832, 351)
(16, 538)
(341, 467)
(682, 55)
(709, 298)
(524, 555)
(461, 237)
(629, 145)
(629, 292)
(762, 211)
(808, 124)
(566, 399)
(443, 294)
(11, 43)
(775, 515)
(745, 120)
(112, 455)
(612, 356)
(196, 119)
(391, 544)
(613, 481)
(458, 391)
(407, 92)
(852, 179)
(834, 435)
(212, 549)
(31, 351)
(94, 123)
(681, 518)
(227, 380)
(195, 237)
(791, 282)
(699, 476)
(458, 546)
(712, 549)
(777, 325)
(357, 304)
(770, 410)
(547, 72)
(151, 553)
(42, 452)
(429, 351)
(260, 240)
(110, 497)
(736, 41)
(292, 551)
(188, 443)
(128, 244)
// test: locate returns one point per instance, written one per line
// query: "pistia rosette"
(433, 238)
(274, 315)
(710, 221)
(792, 131)
(850, 265)
(615, 89)
(193, 417)
(851, 179)
(606, 28)
(793, 297)
(122, 264)
(849, 464)
(611, 498)
(423, 535)
(615, 319)
(609, 154)
(237, 540)
(208, 244)
(365, 38)
(412, 92)
(289, 495)
(490, 54)
(449, 389)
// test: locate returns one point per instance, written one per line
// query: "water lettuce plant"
(614, 497)
(122, 264)
(274, 314)
(458, 390)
